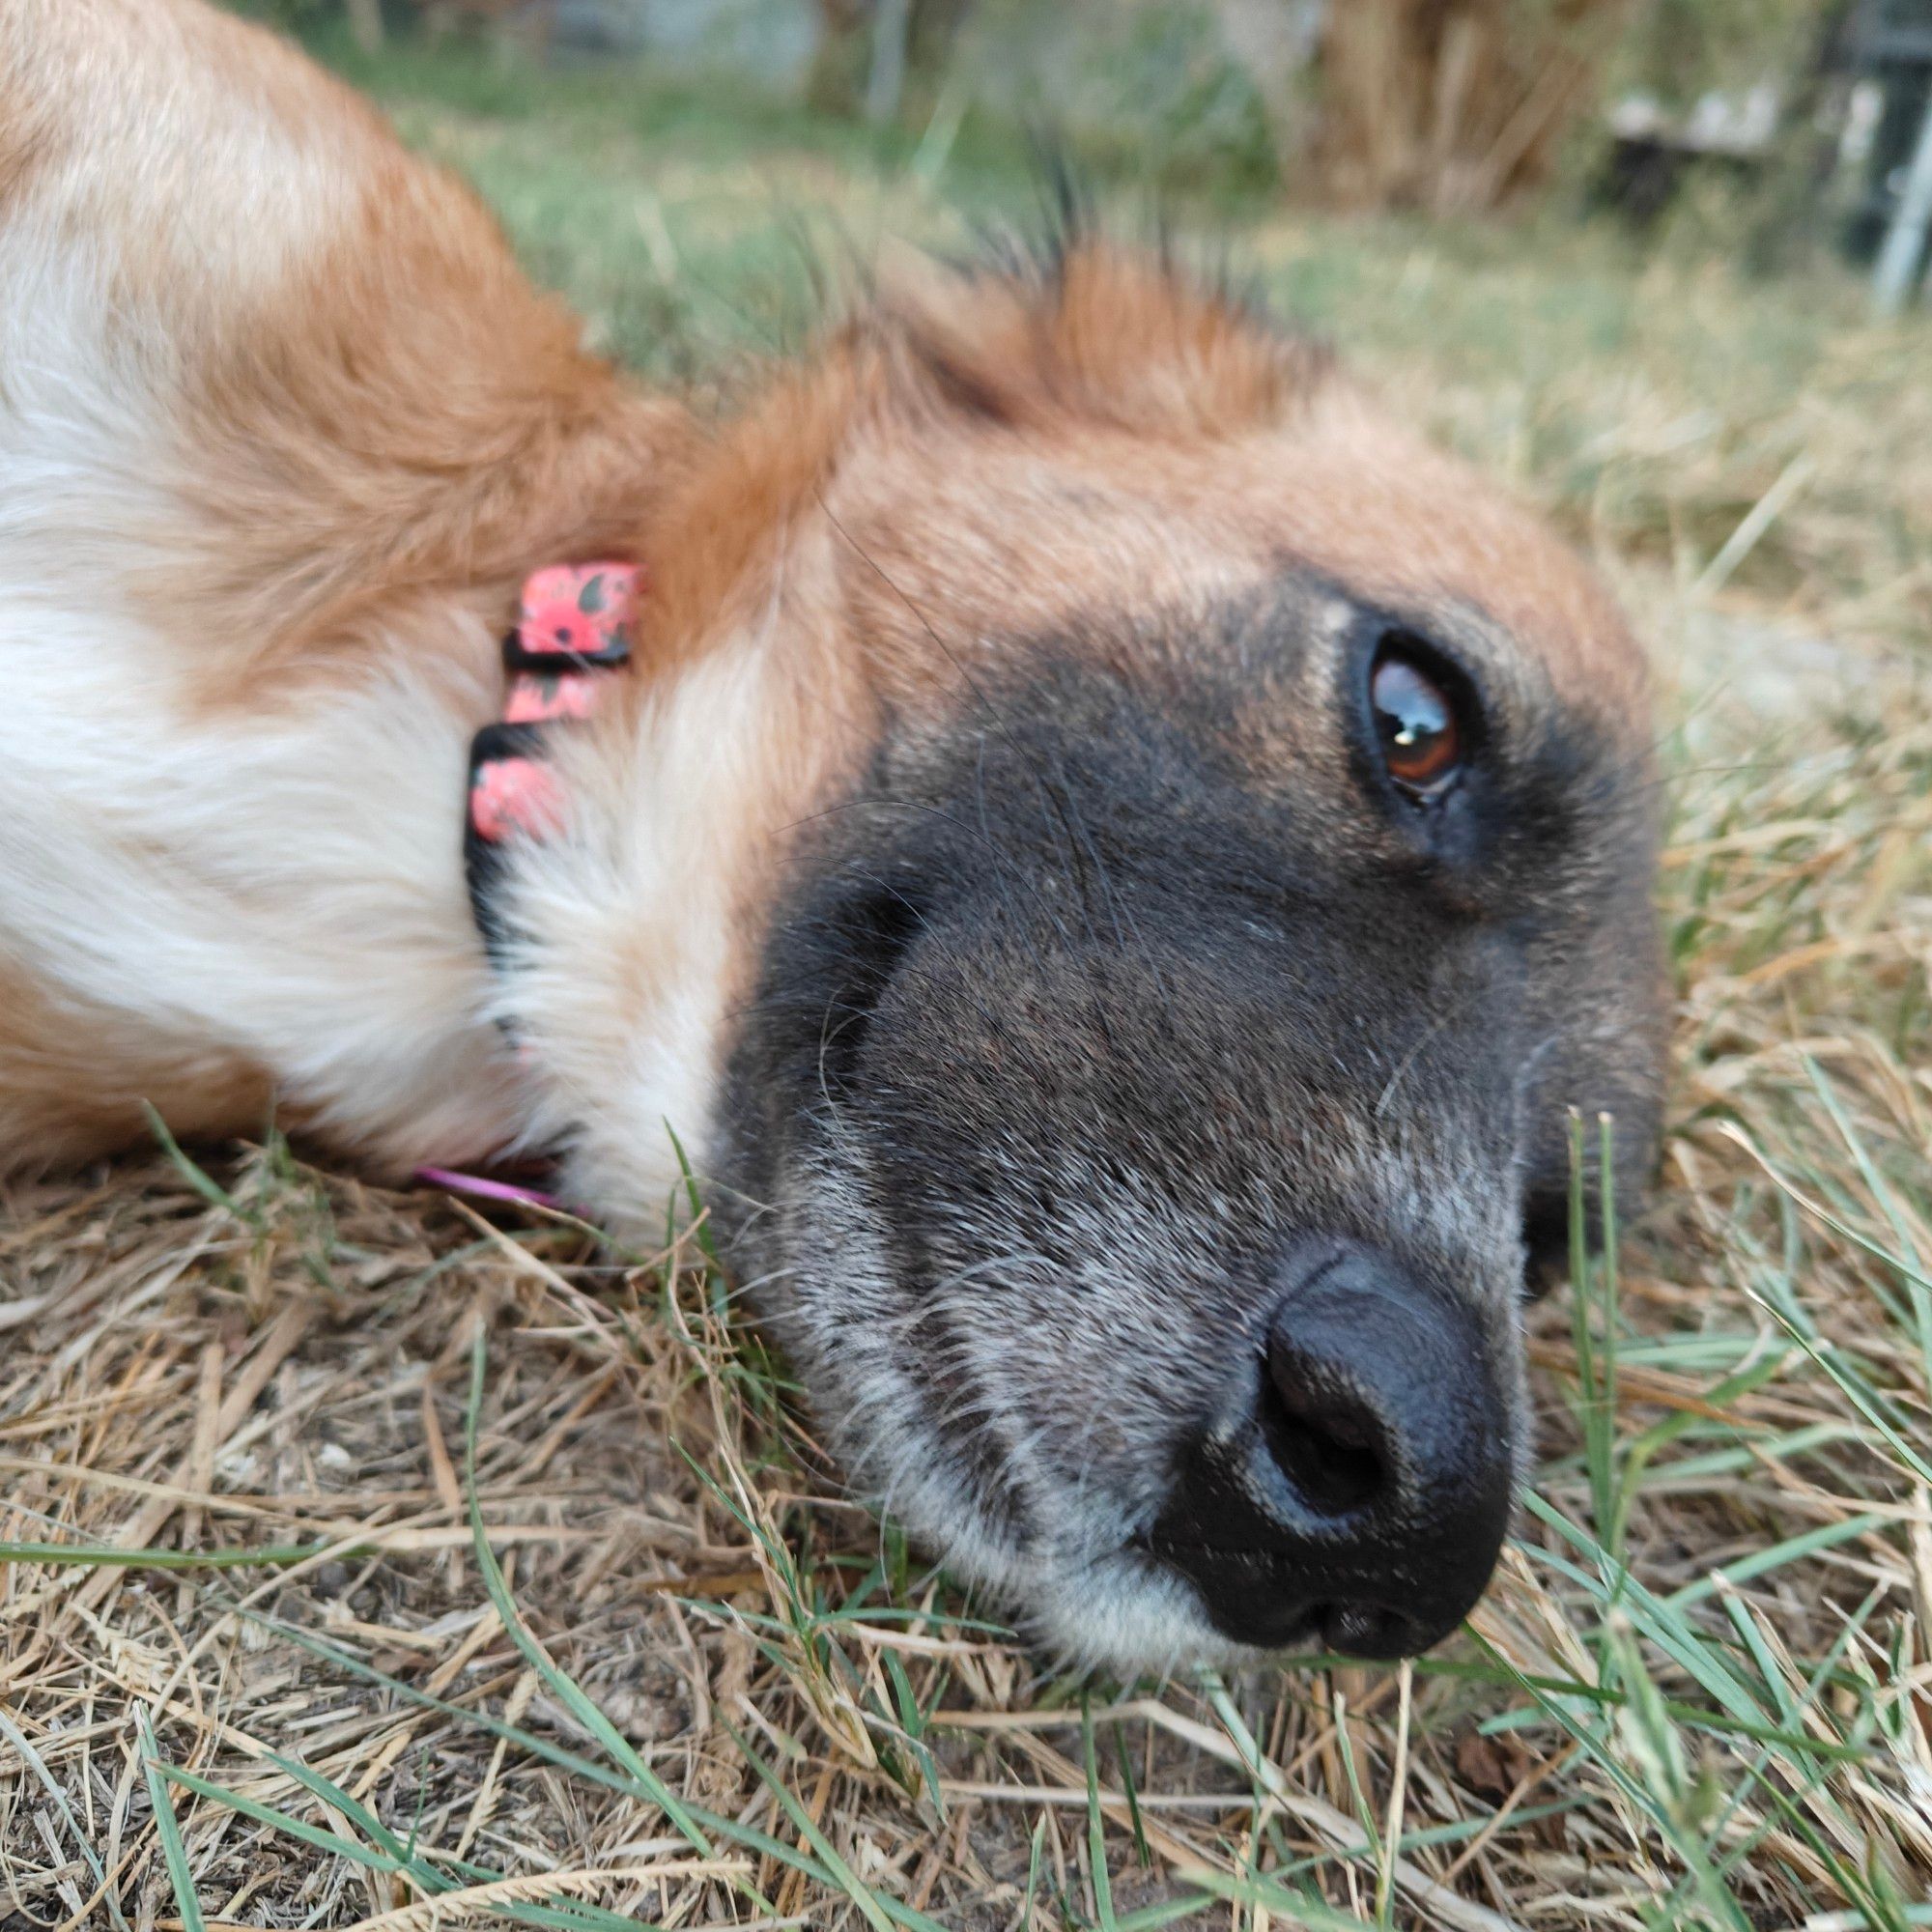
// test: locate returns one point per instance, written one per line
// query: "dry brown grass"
(1699, 1692)
(287, 1369)
(1455, 108)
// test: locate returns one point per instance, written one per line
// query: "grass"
(366, 1563)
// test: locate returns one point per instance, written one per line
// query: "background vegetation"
(369, 1563)
(1444, 105)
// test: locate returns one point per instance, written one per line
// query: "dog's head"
(1149, 1100)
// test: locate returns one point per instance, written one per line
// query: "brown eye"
(1415, 723)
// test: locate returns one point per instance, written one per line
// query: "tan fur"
(64, 1078)
(353, 428)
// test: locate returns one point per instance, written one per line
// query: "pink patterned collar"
(575, 628)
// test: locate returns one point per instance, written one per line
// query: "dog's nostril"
(1364, 1493)
(1363, 1630)
(1322, 1437)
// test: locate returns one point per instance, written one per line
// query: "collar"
(575, 626)
(576, 623)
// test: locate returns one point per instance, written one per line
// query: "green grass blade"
(561, 1684)
(1260, 1890)
(1097, 1828)
(1637, 1791)
(174, 1854)
(1793, 1550)
(1151, 1918)
(1143, 1852)
(1033, 1868)
(612, 1780)
(573, 1917)
(318, 1835)
(879, 1911)
(32, 1759)
(205, 1184)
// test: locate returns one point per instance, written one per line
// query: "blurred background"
(1782, 128)
(1661, 265)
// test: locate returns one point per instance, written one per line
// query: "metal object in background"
(1904, 250)
(770, 43)
(892, 25)
(1653, 149)
(1888, 50)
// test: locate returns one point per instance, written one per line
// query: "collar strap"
(575, 627)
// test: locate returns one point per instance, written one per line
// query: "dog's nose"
(1359, 1492)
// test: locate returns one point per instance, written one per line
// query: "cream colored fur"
(219, 900)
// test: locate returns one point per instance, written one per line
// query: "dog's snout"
(1360, 1491)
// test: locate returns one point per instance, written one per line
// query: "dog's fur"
(978, 871)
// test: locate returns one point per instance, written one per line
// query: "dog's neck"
(640, 923)
(835, 555)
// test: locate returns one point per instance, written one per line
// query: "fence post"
(1899, 260)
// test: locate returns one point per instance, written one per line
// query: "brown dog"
(1111, 855)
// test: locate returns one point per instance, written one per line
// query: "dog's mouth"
(1280, 1615)
(1147, 1442)
(1277, 1611)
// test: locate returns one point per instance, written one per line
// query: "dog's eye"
(1416, 724)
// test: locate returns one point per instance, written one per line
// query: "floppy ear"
(1088, 330)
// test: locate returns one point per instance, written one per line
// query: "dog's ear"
(1091, 331)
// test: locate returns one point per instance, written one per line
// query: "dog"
(1109, 856)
